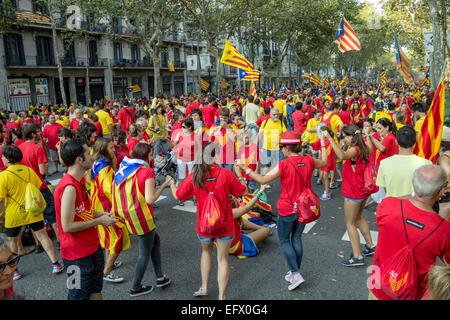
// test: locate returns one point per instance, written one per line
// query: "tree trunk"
(58, 61)
(156, 56)
(436, 55)
(88, 87)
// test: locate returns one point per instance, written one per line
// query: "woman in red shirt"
(119, 140)
(388, 145)
(136, 135)
(295, 173)
(222, 182)
(356, 159)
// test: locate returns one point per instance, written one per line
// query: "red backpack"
(370, 178)
(307, 205)
(212, 221)
(399, 278)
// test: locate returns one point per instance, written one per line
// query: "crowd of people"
(223, 153)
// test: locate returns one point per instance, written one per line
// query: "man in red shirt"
(12, 123)
(299, 119)
(77, 222)
(208, 113)
(125, 117)
(412, 218)
(226, 138)
(264, 117)
(51, 134)
(77, 120)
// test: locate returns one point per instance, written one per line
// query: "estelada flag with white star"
(346, 37)
(233, 58)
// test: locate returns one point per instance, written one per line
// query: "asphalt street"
(325, 244)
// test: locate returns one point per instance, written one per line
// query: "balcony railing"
(14, 60)
(44, 61)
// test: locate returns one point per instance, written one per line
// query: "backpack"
(34, 200)
(289, 111)
(399, 278)
(307, 205)
(370, 178)
(212, 221)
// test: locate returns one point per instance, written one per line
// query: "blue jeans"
(290, 237)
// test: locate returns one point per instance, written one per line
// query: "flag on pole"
(383, 77)
(223, 84)
(233, 58)
(249, 75)
(133, 89)
(344, 79)
(403, 65)
(346, 37)
(326, 82)
(283, 88)
(252, 89)
(334, 91)
(314, 79)
(204, 84)
(430, 135)
(305, 74)
(425, 81)
(271, 88)
(296, 84)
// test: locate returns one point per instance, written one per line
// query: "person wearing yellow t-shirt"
(399, 119)
(379, 113)
(280, 104)
(13, 185)
(270, 134)
(106, 122)
(420, 110)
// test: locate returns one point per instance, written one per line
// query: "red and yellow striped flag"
(252, 89)
(233, 58)
(429, 140)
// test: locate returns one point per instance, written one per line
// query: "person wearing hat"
(295, 173)
(379, 113)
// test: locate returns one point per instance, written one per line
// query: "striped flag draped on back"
(430, 135)
(346, 37)
(252, 90)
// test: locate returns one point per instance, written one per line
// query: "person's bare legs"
(110, 258)
(259, 235)
(47, 244)
(351, 211)
(363, 226)
(223, 272)
(96, 296)
(325, 181)
(205, 264)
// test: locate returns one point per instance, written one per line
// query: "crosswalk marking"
(374, 235)
(309, 226)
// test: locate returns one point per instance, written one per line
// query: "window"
(176, 57)
(14, 50)
(117, 25)
(135, 54)
(69, 57)
(164, 57)
(44, 46)
(38, 6)
(117, 52)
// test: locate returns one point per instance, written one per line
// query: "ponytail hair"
(202, 169)
(387, 123)
(357, 140)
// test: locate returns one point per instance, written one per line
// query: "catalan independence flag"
(252, 89)
(383, 77)
(271, 88)
(403, 65)
(204, 84)
(430, 135)
(305, 74)
(129, 201)
(344, 80)
(249, 75)
(114, 238)
(326, 82)
(346, 37)
(314, 79)
(233, 58)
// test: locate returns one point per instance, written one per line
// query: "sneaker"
(17, 275)
(111, 277)
(296, 280)
(163, 283)
(288, 276)
(268, 187)
(57, 268)
(141, 291)
(319, 181)
(117, 264)
(353, 262)
(369, 251)
(325, 196)
(333, 186)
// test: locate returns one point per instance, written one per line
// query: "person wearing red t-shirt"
(222, 182)
(12, 123)
(125, 117)
(77, 222)
(295, 173)
(263, 118)
(74, 124)
(135, 136)
(407, 221)
(308, 109)
(299, 119)
(318, 101)
(50, 133)
(208, 114)
(249, 154)
(267, 103)
(326, 171)
(388, 145)
(120, 145)
(226, 138)
(345, 115)
(356, 159)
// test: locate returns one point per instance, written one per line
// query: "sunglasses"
(11, 263)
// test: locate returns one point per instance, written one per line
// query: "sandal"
(201, 292)
(180, 203)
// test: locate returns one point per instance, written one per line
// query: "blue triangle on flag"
(242, 74)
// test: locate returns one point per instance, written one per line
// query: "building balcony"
(14, 60)
(44, 61)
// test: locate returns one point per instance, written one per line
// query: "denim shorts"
(271, 157)
(355, 200)
(89, 271)
(208, 240)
